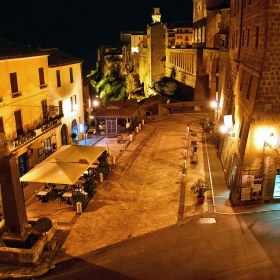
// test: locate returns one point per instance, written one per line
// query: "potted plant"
(124, 131)
(90, 186)
(199, 188)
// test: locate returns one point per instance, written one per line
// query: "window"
(58, 81)
(73, 102)
(44, 110)
(249, 88)
(257, 36)
(1, 125)
(13, 82)
(236, 38)
(71, 74)
(60, 110)
(242, 38)
(18, 121)
(41, 77)
(248, 37)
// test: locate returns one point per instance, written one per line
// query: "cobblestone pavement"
(146, 190)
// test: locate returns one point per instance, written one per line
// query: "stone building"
(179, 34)
(250, 104)
(40, 96)
(152, 55)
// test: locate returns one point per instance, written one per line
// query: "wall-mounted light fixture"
(270, 141)
(227, 127)
(227, 130)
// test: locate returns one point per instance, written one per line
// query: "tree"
(167, 86)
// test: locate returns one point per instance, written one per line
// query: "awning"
(65, 166)
(55, 172)
(77, 153)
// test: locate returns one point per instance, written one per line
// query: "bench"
(120, 138)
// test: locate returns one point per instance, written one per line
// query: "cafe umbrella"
(77, 153)
(55, 172)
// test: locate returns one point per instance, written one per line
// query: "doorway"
(63, 133)
(111, 125)
(23, 164)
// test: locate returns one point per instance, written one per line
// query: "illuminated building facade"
(152, 57)
(180, 34)
(250, 104)
(35, 101)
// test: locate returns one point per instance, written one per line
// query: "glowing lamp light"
(224, 129)
(271, 140)
(95, 103)
(214, 104)
(135, 49)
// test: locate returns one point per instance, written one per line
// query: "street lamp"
(227, 127)
(95, 104)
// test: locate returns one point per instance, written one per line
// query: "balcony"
(16, 94)
(43, 86)
(33, 133)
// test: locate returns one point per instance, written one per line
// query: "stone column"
(17, 229)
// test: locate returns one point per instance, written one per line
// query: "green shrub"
(90, 186)
(79, 197)
(104, 168)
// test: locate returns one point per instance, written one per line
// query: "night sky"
(79, 27)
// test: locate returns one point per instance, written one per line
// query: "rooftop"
(12, 50)
(60, 58)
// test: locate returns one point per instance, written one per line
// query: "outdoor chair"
(62, 200)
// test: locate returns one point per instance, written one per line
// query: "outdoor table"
(67, 195)
(43, 195)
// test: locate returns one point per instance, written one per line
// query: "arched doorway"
(63, 132)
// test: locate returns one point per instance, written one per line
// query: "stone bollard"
(101, 177)
(79, 208)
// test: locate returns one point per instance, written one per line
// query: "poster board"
(251, 187)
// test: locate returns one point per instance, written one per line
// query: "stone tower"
(153, 55)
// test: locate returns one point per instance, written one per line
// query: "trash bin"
(79, 207)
